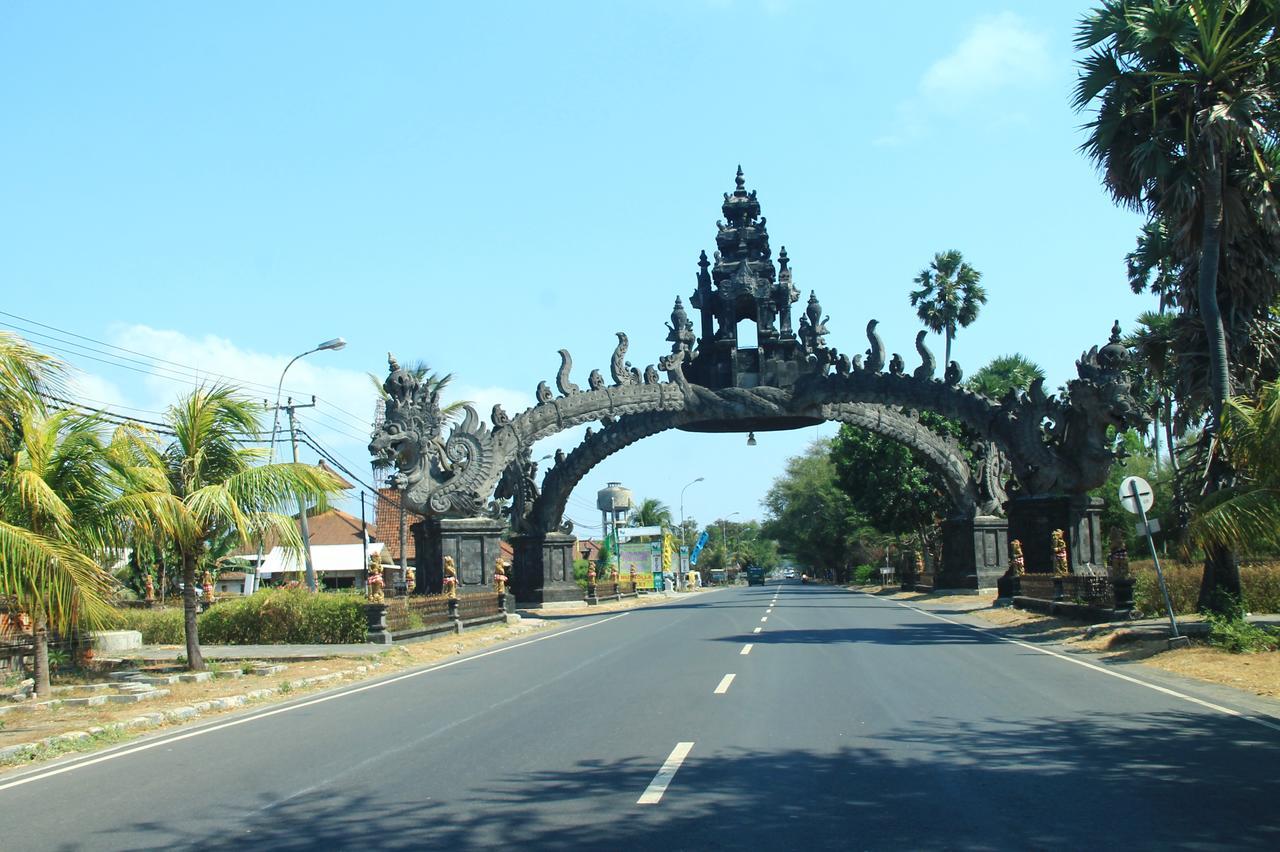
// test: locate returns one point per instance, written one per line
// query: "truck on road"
(755, 575)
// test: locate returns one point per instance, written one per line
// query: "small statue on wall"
(1118, 558)
(373, 581)
(151, 589)
(1060, 566)
(1017, 564)
(500, 566)
(410, 580)
(450, 578)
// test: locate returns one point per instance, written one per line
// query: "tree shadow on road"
(1173, 780)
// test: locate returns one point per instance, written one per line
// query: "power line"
(184, 372)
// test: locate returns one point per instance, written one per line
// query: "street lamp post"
(329, 345)
(684, 538)
(724, 540)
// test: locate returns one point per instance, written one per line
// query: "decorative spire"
(740, 181)
(783, 260)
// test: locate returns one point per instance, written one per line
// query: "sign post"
(1137, 497)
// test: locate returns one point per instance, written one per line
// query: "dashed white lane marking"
(653, 793)
(723, 686)
(1161, 689)
(764, 618)
(756, 630)
(333, 696)
(746, 649)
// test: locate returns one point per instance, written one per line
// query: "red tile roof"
(387, 514)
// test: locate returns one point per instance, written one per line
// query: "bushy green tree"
(1003, 374)
(810, 516)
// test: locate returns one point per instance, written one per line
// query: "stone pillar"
(474, 544)
(375, 615)
(1032, 521)
(543, 569)
(975, 552)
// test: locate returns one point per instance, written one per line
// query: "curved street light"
(329, 345)
(724, 539)
(684, 538)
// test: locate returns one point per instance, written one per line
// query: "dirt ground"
(25, 725)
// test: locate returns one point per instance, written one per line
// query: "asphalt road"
(849, 722)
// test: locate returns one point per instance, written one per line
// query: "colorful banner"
(638, 555)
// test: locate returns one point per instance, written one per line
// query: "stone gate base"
(1032, 521)
(472, 542)
(975, 552)
(543, 569)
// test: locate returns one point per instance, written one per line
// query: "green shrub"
(285, 616)
(1261, 586)
(1239, 636)
(158, 626)
(864, 574)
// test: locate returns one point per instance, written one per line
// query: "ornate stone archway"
(480, 478)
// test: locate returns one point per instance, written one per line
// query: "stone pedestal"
(472, 542)
(975, 552)
(375, 615)
(543, 569)
(1032, 521)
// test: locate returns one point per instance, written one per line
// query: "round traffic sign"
(1136, 485)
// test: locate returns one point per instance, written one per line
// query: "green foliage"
(809, 515)
(1239, 636)
(580, 568)
(1183, 582)
(864, 574)
(59, 658)
(1003, 374)
(158, 626)
(888, 483)
(651, 512)
(1139, 461)
(292, 616)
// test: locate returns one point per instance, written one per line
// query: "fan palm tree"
(949, 296)
(1185, 90)
(218, 487)
(1185, 132)
(1003, 374)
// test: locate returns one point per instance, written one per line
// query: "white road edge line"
(723, 686)
(746, 649)
(166, 740)
(1100, 669)
(653, 793)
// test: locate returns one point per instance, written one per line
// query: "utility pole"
(364, 538)
(290, 406)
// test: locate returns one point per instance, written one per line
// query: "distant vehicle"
(789, 574)
(755, 575)
(719, 576)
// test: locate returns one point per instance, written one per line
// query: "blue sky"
(222, 186)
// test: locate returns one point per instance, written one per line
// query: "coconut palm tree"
(1003, 374)
(949, 296)
(58, 511)
(651, 512)
(218, 487)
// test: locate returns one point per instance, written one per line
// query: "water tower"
(613, 501)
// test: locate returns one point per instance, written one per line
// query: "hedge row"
(1259, 582)
(269, 617)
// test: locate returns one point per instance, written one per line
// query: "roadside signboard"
(1134, 491)
(638, 555)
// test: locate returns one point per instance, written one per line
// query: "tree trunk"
(195, 659)
(1207, 292)
(1221, 569)
(946, 356)
(40, 668)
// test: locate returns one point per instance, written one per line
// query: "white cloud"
(999, 54)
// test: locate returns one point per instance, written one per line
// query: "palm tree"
(1185, 89)
(217, 487)
(57, 511)
(1153, 343)
(651, 512)
(1184, 132)
(1003, 374)
(949, 296)
(1249, 509)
